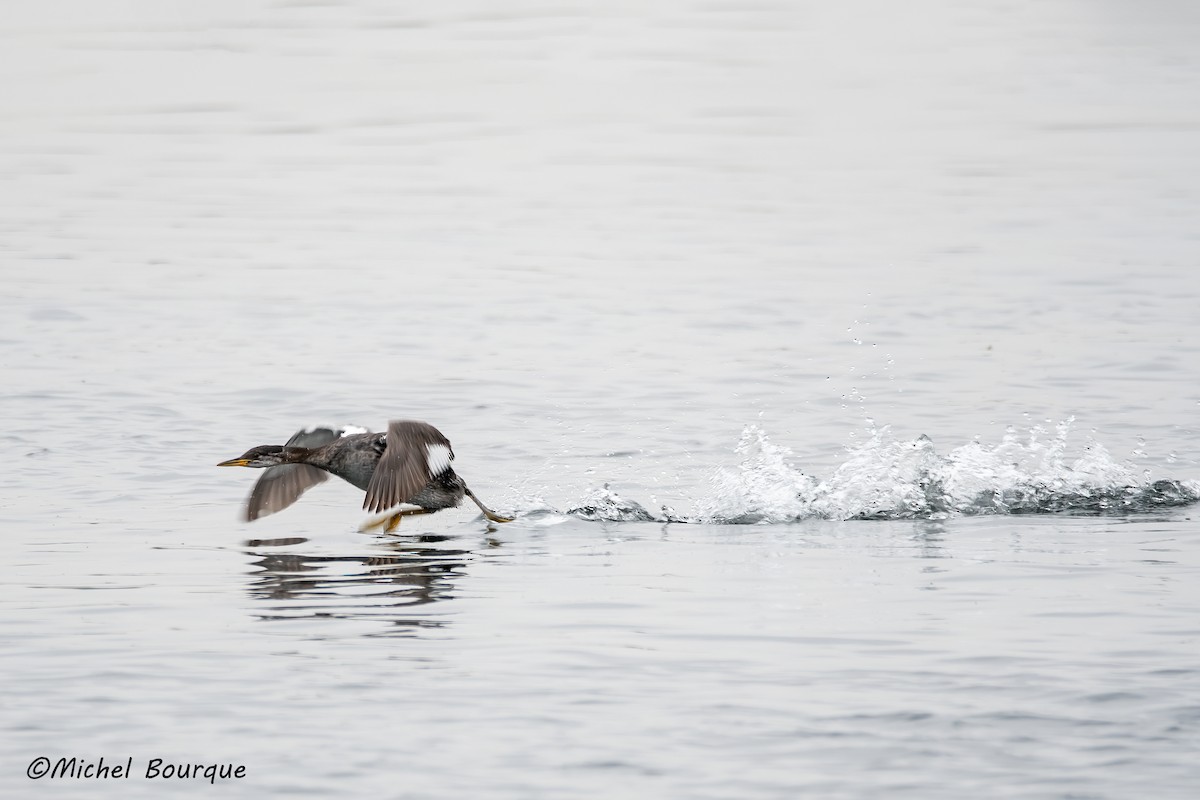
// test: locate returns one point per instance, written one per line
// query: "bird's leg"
(390, 520)
(487, 512)
(394, 522)
(374, 522)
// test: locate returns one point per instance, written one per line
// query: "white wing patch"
(438, 458)
(340, 430)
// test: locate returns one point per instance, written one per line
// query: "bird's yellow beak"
(235, 462)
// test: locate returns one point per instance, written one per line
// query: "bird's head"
(267, 455)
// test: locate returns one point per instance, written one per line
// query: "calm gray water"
(729, 259)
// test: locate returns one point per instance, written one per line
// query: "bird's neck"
(296, 455)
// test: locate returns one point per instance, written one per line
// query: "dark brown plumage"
(410, 464)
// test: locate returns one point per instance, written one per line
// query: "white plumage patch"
(438, 458)
(340, 430)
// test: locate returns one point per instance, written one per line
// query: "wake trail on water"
(888, 479)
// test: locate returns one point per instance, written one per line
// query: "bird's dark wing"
(281, 486)
(415, 453)
(319, 435)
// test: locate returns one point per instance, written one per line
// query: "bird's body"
(409, 464)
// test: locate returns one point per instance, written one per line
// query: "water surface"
(731, 260)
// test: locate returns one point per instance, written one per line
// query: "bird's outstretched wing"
(416, 452)
(281, 486)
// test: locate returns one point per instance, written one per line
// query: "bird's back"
(352, 458)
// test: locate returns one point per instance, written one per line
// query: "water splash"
(885, 478)
(608, 506)
(764, 487)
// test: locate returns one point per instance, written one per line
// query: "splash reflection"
(395, 582)
(930, 537)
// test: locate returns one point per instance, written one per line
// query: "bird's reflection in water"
(395, 584)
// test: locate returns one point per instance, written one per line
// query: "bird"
(409, 464)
